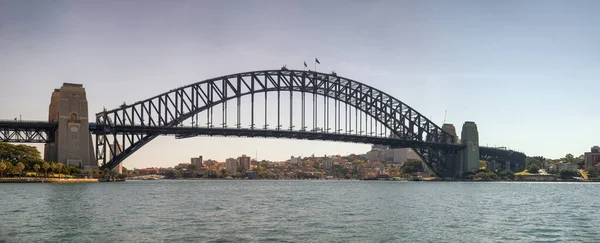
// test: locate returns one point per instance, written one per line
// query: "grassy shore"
(45, 180)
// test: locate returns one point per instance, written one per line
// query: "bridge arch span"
(172, 108)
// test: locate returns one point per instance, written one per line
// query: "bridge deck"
(27, 131)
(186, 132)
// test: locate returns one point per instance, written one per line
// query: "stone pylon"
(454, 158)
(73, 142)
(470, 155)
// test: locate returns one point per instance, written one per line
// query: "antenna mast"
(445, 114)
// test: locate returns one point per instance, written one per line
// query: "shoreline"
(422, 180)
(46, 180)
(95, 180)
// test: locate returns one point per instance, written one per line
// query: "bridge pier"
(469, 157)
(73, 142)
(455, 160)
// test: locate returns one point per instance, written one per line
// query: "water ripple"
(299, 211)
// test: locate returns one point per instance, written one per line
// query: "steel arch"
(172, 108)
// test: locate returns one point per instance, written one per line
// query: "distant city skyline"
(525, 71)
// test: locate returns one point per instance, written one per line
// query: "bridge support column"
(455, 160)
(73, 142)
(469, 155)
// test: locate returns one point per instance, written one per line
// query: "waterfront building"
(231, 166)
(592, 158)
(251, 174)
(381, 153)
(328, 164)
(197, 161)
(567, 166)
(244, 162)
(211, 164)
(401, 155)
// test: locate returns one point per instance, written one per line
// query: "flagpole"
(315, 64)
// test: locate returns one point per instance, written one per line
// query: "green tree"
(53, 168)
(73, 170)
(59, 168)
(485, 176)
(13, 154)
(507, 174)
(36, 167)
(569, 158)
(106, 173)
(568, 174)
(46, 166)
(412, 166)
(483, 164)
(534, 169)
(3, 167)
(20, 168)
(224, 173)
(534, 161)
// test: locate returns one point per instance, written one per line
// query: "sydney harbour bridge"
(292, 104)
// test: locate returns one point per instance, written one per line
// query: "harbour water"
(300, 211)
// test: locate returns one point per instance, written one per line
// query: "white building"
(567, 166)
(231, 165)
(197, 161)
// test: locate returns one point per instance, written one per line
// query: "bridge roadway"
(185, 132)
(27, 131)
(42, 132)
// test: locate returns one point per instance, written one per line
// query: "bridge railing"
(502, 148)
(24, 121)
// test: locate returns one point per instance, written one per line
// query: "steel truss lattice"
(27, 131)
(400, 122)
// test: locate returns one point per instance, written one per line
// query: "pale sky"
(527, 72)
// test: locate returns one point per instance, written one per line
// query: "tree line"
(18, 160)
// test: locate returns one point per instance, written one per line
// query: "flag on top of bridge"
(317, 61)
(305, 65)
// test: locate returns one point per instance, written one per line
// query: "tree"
(193, 167)
(568, 174)
(53, 168)
(569, 158)
(106, 173)
(534, 161)
(73, 170)
(412, 166)
(19, 168)
(534, 169)
(3, 167)
(225, 173)
(36, 167)
(59, 168)
(483, 164)
(485, 176)
(13, 154)
(507, 174)
(46, 166)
